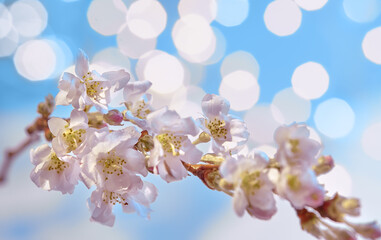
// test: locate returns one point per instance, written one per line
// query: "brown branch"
(11, 154)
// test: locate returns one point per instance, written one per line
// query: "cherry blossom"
(54, 173)
(69, 137)
(113, 163)
(295, 146)
(252, 187)
(171, 144)
(88, 88)
(228, 133)
(138, 200)
(300, 187)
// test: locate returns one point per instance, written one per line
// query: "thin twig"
(11, 154)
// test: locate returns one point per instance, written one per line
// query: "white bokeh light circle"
(370, 141)
(146, 18)
(194, 73)
(205, 8)
(133, 46)
(232, 13)
(241, 89)
(29, 17)
(112, 58)
(106, 17)
(219, 49)
(239, 60)
(164, 71)
(5, 21)
(9, 43)
(311, 5)
(261, 124)
(362, 11)
(337, 180)
(334, 118)
(64, 56)
(371, 45)
(283, 17)
(310, 80)
(289, 107)
(35, 60)
(193, 35)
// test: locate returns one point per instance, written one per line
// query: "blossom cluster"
(111, 151)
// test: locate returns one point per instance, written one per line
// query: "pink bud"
(113, 117)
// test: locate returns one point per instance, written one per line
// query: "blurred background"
(277, 62)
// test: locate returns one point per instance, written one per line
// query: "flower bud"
(339, 206)
(113, 117)
(202, 138)
(47, 107)
(325, 164)
(95, 120)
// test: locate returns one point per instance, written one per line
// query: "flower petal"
(119, 79)
(82, 64)
(213, 105)
(240, 202)
(78, 119)
(134, 90)
(37, 155)
(56, 124)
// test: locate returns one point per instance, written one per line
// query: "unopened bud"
(202, 138)
(96, 120)
(339, 206)
(212, 159)
(145, 142)
(113, 117)
(47, 107)
(325, 164)
(349, 206)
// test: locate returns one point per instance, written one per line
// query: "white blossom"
(253, 191)
(88, 88)
(295, 146)
(300, 186)
(113, 163)
(228, 133)
(138, 102)
(171, 144)
(52, 172)
(138, 200)
(70, 137)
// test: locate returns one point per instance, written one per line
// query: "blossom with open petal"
(171, 144)
(138, 102)
(138, 200)
(295, 146)
(113, 163)
(228, 133)
(300, 186)
(88, 88)
(70, 137)
(52, 172)
(253, 191)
